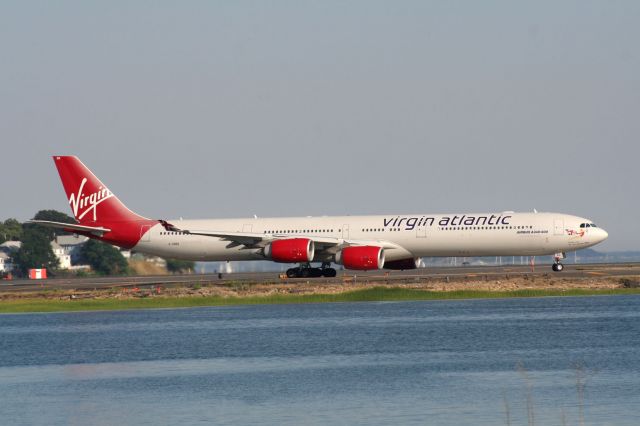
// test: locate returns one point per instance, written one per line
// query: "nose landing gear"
(557, 266)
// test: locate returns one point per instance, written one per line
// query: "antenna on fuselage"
(535, 211)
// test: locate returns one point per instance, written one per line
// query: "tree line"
(36, 252)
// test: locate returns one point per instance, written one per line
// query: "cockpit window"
(583, 225)
(593, 225)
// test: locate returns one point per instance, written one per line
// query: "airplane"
(394, 242)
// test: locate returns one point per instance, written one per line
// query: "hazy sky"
(224, 109)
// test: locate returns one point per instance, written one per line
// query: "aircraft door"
(421, 232)
(345, 231)
(247, 227)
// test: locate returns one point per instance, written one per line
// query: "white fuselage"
(420, 235)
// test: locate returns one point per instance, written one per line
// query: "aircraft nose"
(603, 235)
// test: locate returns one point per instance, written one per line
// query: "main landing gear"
(557, 266)
(306, 271)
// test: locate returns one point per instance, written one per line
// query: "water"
(443, 362)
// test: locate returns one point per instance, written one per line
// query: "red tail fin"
(91, 201)
(93, 204)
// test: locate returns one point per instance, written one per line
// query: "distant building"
(64, 247)
(10, 247)
(71, 244)
(64, 260)
(6, 265)
(7, 250)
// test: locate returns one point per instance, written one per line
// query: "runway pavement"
(427, 274)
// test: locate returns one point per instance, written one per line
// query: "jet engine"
(362, 258)
(292, 250)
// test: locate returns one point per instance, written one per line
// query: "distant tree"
(10, 230)
(53, 216)
(180, 266)
(103, 258)
(35, 251)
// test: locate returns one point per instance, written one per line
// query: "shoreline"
(236, 294)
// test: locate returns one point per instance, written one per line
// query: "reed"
(374, 294)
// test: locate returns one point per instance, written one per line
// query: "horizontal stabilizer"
(70, 227)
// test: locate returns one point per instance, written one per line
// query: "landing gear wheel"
(557, 267)
(315, 272)
(306, 271)
(329, 272)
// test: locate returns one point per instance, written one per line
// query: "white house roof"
(71, 240)
(12, 245)
(9, 246)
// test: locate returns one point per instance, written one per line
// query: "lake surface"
(481, 362)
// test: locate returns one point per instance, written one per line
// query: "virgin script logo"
(83, 204)
(574, 233)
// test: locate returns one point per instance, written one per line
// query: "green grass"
(374, 294)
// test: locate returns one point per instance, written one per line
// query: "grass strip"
(374, 294)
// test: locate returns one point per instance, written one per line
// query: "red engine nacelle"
(402, 264)
(292, 250)
(362, 258)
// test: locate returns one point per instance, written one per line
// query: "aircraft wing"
(253, 240)
(71, 227)
(247, 239)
